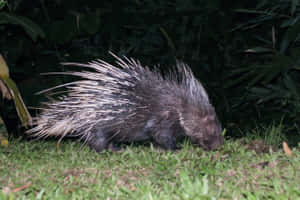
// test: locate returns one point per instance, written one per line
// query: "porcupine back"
(126, 101)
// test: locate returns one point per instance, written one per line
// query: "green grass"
(140, 172)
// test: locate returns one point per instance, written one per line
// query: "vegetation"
(40, 170)
(246, 54)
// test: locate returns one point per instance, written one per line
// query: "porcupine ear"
(193, 87)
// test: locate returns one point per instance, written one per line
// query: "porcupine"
(128, 102)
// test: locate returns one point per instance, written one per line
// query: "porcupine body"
(127, 103)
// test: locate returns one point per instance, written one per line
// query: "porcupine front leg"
(98, 141)
(166, 139)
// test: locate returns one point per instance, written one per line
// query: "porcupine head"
(202, 127)
(127, 103)
(196, 114)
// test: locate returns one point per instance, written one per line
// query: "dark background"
(246, 53)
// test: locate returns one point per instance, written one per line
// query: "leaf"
(224, 132)
(259, 76)
(250, 11)
(8, 190)
(286, 149)
(20, 106)
(2, 4)
(291, 34)
(259, 50)
(287, 23)
(241, 75)
(10, 90)
(4, 72)
(275, 69)
(265, 94)
(4, 90)
(31, 28)
(291, 86)
(3, 67)
(3, 134)
(90, 22)
(25, 186)
(170, 42)
(294, 6)
(62, 31)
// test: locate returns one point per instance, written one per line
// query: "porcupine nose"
(217, 143)
(214, 143)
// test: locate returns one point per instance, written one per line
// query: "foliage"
(81, 31)
(272, 74)
(248, 70)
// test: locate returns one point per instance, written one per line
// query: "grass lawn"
(39, 170)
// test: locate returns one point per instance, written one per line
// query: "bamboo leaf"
(290, 84)
(291, 34)
(294, 6)
(169, 40)
(4, 72)
(31, 28)
(20, 106)
(10, 90)
(259, 50)
(3, 67)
